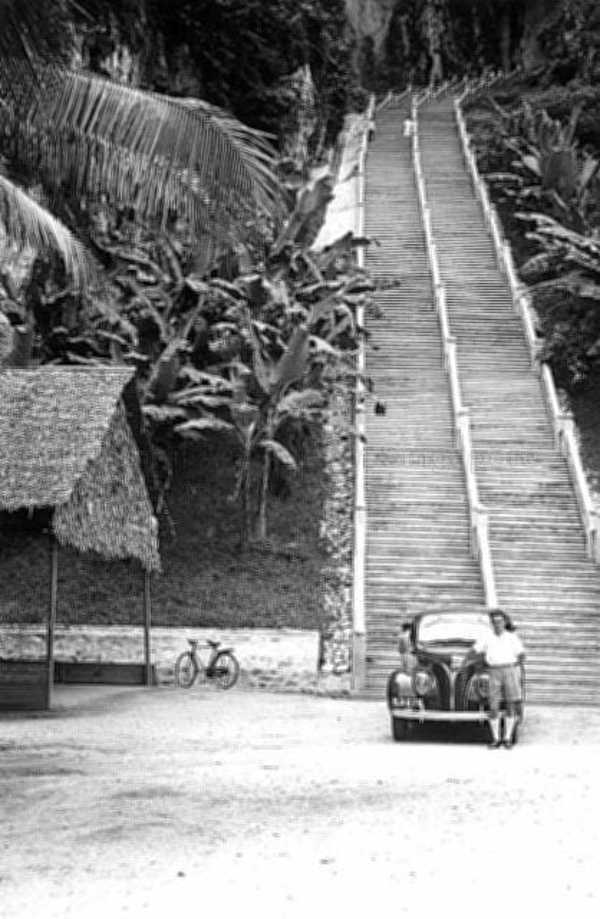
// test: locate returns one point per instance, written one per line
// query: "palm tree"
(90, 136)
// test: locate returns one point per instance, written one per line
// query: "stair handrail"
(562, 422)
(360, 504)
(565, 436)
(385, 101)
(478, 514)
(391, 98)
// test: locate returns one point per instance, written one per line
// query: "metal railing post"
(360, 504)
(479, 531)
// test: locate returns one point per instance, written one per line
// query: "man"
(503, 653)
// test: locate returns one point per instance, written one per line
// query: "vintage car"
(431, 684)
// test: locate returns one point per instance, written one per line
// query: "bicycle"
(222, 666)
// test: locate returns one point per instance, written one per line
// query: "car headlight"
(423, 682)
(482, 685)
(403, 684)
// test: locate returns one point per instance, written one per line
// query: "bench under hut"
(66, 446)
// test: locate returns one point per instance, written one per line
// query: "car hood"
(452, 655)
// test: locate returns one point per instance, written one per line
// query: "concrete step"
(418, 539)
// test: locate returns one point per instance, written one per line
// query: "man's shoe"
(495, 745)
(508, 744)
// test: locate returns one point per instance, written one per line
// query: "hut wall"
(24, 685)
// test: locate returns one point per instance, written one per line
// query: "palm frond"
(157, 153)
(253, 146)
(32, 30)
(27, 223)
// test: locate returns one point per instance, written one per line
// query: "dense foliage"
(570, 41)
(545, 180)
(231, 323)
(250, 355)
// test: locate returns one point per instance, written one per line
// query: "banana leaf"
(282, 453)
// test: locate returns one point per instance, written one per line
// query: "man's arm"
(472, 654)
(519, 649)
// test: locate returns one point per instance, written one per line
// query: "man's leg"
(509, 723)
(512, 694)
(494, 716)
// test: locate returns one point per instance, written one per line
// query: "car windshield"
(451, 627)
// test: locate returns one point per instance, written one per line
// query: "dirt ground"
(135, 802)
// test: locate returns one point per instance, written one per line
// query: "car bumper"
(423, 715)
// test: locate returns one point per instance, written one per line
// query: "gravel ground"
(137, 802)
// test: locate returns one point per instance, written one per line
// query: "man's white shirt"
(499, 650)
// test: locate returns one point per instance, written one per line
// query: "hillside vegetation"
(538, 143)
(205, 580)
(243, 341)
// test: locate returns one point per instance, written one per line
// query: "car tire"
(401, 730)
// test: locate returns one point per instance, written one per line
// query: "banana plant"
(564, 278)
(549, 165)
(253, 406)
(568, 260)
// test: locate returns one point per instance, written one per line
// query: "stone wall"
(337, 533)
(278, 659)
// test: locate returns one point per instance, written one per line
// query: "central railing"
(478, 514)
(360, 501)
(562, 421)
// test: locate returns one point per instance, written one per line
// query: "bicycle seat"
(212, 644)
(193, 643)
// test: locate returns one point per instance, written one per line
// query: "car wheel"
(400, 729)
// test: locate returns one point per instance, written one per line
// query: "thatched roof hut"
(65, 443)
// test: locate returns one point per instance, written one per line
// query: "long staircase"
(418, 526)
(418, 554)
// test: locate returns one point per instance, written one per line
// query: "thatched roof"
(65, 443)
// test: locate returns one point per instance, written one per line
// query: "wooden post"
(52, 614)
(147, 625)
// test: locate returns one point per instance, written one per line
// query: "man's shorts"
(505, 683)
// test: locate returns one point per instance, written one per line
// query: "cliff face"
(371, 19)
(193, 49)
(448, 36)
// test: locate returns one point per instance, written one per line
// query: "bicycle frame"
(199, 664)
(214, 652)
(221, 665)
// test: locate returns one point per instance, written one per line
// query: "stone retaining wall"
(279, 659)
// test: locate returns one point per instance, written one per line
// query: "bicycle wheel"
(225, 670)
(185, 670)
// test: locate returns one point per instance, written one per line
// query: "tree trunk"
(405, 37)
(245, 507)
(478, 53)
(261, 528)
(505, 40)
